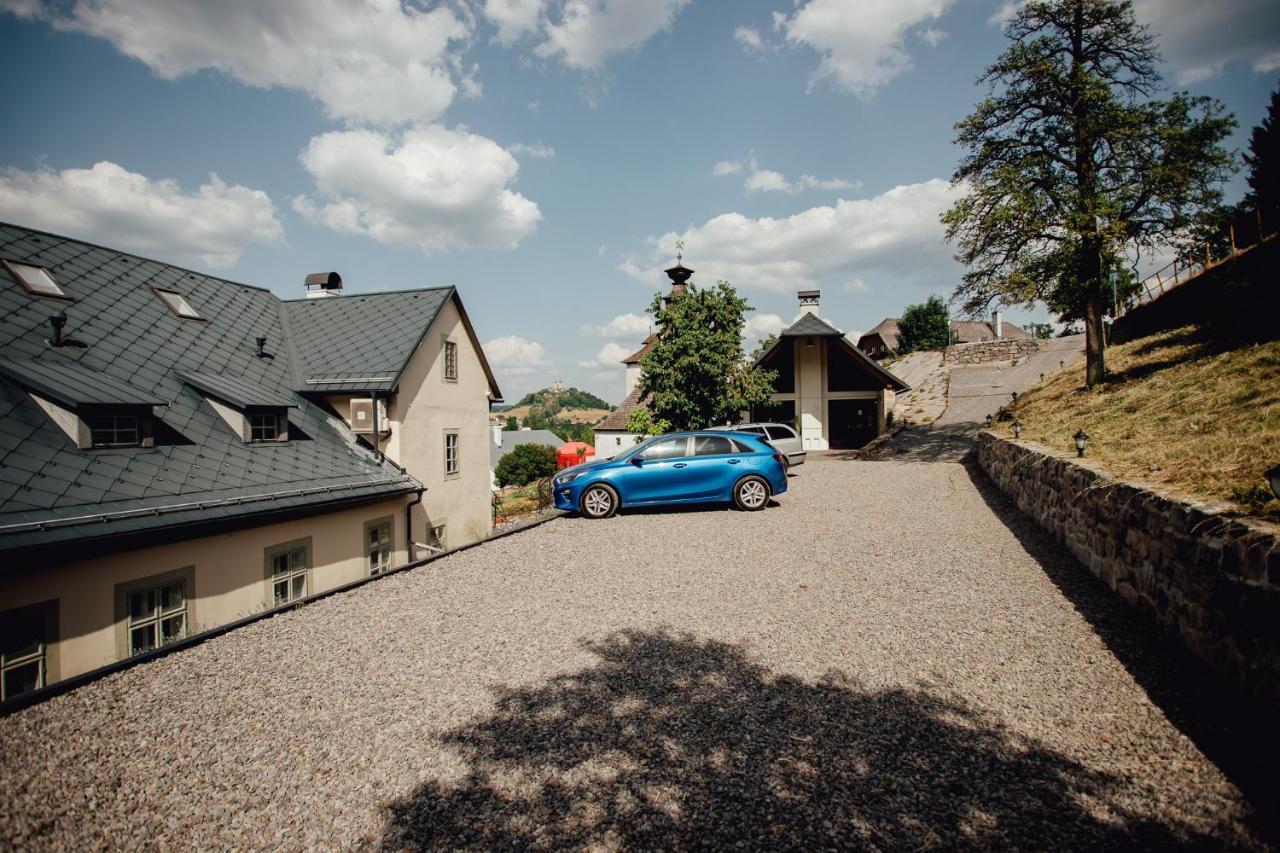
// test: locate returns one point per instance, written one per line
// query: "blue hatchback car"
(709, 466)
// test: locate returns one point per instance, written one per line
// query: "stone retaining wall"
(1211, 580)
(981, 352)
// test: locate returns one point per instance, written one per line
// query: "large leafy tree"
(1263, 160)
(696, 375)
(924, 326)
(1072, 158)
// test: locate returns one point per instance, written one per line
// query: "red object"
(569, 454)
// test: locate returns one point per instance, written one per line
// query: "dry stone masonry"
(982, 352)
(1212, 580)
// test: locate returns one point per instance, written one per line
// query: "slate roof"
(236, 391)
(810, 324)
(617, 419)
(53, 494)
(512, 438)
(970, 331)
(363, 342)
(648, 344)
(64, 381)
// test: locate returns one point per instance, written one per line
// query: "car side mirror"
(637, 460)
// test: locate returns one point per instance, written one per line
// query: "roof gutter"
(408, 523)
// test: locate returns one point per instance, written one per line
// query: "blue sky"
(542, 155)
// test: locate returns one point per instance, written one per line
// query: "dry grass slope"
(1176, 412)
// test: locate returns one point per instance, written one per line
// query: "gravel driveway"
(886, 657)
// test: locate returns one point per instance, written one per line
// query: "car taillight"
(782, 460)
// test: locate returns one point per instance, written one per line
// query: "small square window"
(267, 426)
(178, 304)
(450, 361)
(436, 537)
(114, 430)
(450, 453)
(35, 280)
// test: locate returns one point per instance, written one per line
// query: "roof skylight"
(35, 280)
(178, 304)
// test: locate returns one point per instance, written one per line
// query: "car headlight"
(566, 479)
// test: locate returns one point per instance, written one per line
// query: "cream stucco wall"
(609, 443)
(426, 406)
(228, 570)
(812, 396)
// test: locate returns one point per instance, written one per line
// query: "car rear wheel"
(598, 502)
(751, 494)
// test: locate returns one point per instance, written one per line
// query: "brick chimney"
(809, 301)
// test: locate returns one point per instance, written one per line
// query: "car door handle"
(734, 461)
(680, 465)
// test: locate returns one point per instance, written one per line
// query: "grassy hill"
(567, 398)
(1178, 412)
(576, 416)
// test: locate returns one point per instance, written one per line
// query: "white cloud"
(431, 187)
(856, 285)
(750, 39)
(600, 251)
(537, 151)
(861, 42)
(513, 18)
(933, 36)
(515, 356)
(767, 180)
(110, 205)
(534, 106)
(590, 31)
(896, 233)
(1199, 39)
(760, 326)
(364, 60)
(622, 326)
(610, 355)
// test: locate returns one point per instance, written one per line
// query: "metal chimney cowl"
(321, 284)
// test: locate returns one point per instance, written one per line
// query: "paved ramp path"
(888, 657)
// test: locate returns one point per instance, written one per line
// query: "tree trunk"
(1095, 371)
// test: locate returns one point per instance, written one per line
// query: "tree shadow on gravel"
(1237, 734)
(671, 742)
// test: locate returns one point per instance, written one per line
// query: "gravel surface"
(885, 657)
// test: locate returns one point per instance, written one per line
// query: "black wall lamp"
(1017, 429)
(1082, 441)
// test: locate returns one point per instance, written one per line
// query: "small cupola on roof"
(809, 301)
(321, 284)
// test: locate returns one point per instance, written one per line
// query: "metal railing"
(1245, 231)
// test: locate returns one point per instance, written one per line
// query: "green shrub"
(525, 463)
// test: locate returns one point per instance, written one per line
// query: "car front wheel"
(751, 494)
(599, 502)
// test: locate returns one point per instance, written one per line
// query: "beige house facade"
(178, 451)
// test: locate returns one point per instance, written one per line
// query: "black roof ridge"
(179, 267)
(370, 293)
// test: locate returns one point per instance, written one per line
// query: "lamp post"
(1017, 429)
(1014, 395)
(1273, 477)
(1082, 440)
(988, 421)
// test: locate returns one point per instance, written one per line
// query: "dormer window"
(178, 304)
(35, 280)
(268, 426)
(115, 430)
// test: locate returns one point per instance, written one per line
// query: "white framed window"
(377, 544)
(451, 461)
(157, 616)
(178, 304)
(436, 537)
(35, 280)
(114, 430)
(267, 426)
(450, 361)
(287, 571)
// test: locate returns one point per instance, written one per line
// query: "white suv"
(782, 437)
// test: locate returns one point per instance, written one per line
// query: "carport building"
(832, 392)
